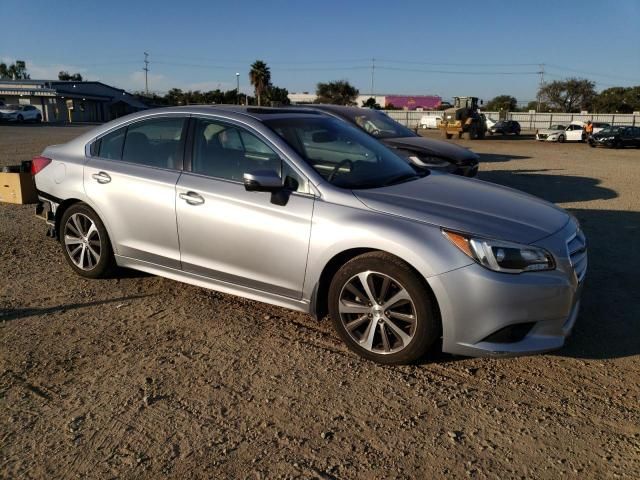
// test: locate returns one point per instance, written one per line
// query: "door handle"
(192, 198)
(101, 177)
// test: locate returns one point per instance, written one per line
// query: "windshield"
(611, 130)
(343, 155)
(11, 107)
(380, 125)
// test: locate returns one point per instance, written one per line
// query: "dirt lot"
(141, 377)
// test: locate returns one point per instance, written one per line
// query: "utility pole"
(373, 70)
(146, 73)
(541, 72)
(238, 87)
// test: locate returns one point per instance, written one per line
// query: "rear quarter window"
(109, 146)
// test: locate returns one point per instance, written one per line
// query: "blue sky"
(496, 47)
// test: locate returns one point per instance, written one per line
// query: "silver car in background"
(307, 212)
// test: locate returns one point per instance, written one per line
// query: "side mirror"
(262, 181)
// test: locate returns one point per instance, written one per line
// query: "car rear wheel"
(85, 243)
(382, 310)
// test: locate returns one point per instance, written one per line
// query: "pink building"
(411, 102)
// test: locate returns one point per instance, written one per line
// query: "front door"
(131, 179)
(232, 235)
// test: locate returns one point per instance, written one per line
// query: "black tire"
(426, 329)
(618, 144)
(106, 262)
(561, 139)
(38, 118)
(20, 119)
(592, 145)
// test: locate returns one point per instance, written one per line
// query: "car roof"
(342, 110)
(259, 113)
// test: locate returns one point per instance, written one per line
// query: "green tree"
(17, 71)
(371, 103)
(502, 102)
(617, 100)
(64, 75)
(260, 78)
(570, 95)
(277, 95)
(339, 92)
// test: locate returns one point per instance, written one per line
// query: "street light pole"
(238, 88)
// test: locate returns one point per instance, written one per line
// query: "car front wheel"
(85, 243)
(382, 310)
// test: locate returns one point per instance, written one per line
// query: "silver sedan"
(304, 211)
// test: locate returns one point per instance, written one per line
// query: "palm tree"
(260, 77)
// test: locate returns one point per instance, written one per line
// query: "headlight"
(501, 256)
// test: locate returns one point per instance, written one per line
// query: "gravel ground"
(142, 377)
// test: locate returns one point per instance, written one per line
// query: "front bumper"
(546, 138)
(486, 313)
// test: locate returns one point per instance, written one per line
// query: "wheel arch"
(69, 202)
(63, 207)
(319, 307)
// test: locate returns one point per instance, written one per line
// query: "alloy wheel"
(82, 241)
(377, 312)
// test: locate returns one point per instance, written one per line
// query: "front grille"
(577, 249)
(542, 135)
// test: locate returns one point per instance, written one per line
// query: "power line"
(568, 69)
(459, 64)
(455, 72)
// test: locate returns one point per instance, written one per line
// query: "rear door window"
(109, 146)
(155, 143)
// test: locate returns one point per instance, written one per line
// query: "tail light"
(38, 163)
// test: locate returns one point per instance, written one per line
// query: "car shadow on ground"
(554, 188)
(497, 157)
(18, 313)
(500, 136)
(609, 322)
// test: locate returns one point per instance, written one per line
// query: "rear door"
(130, 179)
(257, 240)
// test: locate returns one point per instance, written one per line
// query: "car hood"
(546, 131)
(438, 148)
(468, 205)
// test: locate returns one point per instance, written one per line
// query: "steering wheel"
(334, 172)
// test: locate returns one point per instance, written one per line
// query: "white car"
(20, 113)
(430, 121)
(560, 133)
(490, 122)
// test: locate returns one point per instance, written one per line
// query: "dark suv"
(505, 127)
(616, 137)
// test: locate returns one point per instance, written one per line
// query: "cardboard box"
(17, 188)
